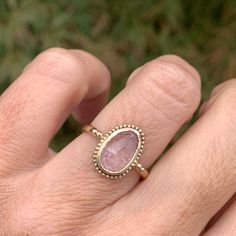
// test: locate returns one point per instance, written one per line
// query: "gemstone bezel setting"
(106, 138)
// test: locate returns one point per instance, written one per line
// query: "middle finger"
(196, 177)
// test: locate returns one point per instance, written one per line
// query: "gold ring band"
(92, 130)
(118, 150)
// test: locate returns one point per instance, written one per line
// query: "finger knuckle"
(171, 81)
(226, 105)
(223, 87)
(59, 64)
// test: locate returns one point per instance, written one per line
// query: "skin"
(190, 190)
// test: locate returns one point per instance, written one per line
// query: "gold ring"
(118, 150)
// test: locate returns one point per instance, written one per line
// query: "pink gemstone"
(119, 151)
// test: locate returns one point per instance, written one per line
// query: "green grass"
(123, 34)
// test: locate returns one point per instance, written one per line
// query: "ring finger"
(159, 98)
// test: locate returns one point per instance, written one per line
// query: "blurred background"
(124, 34)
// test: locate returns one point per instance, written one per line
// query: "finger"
(89, 108)
(93, 103)
(215, 94)
(159, 99)
(197, 176)
(226, 224)
(35, 106)
(219, 214)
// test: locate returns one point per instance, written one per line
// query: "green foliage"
(123, 34)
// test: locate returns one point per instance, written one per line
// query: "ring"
(118, 151)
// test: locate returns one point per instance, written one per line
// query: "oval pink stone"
(119, 151)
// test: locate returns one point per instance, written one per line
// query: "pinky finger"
(226, 224)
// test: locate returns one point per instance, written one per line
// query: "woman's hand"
(48, 193)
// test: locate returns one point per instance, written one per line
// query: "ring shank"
(142, 171)
(92, 130)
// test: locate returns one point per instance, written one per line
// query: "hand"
(48, 193)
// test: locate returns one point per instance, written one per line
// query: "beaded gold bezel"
(103, 142)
